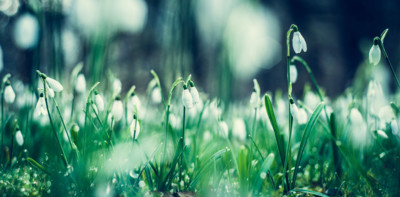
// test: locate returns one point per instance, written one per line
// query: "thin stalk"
(289, 107)
(86, 115)
(52, 124)
(63, 123)
(182, 144)
(388, 61)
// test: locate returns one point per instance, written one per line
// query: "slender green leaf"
(309, 192)
(278, 136)
(310, 124)
(37, 165)
(266, 165)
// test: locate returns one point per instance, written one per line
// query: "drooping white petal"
(303, 43)
(293, 73)
(19, 138)
(156, 95)
(296, 42)
(135, 125)
(374, 54)
(195, 95)
(40, 108)
(254, 100)
(134, 103)
(117, 86)
(98, 99)
(386, 114)
(187, 99)
(295, 111)
(382, 134)
(54, 84)
(80, 85)
(224, 130)
(9, 95)
(117, 110)
(51, 92)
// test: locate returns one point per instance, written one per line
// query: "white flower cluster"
(190, 96)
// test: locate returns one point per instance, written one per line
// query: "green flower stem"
(86, 115)
(388, 61)
(286, 164)
(182, 145)
(64, 158)
(63, 123)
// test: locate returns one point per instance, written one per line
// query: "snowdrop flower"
(254, 100)
(302, 116)
(80, 84)
(54, 84)
(26, 32)
(156, 95)
(40, 106)
(293, 73)
(394, 127)
(375, 53)
(134, 102)
(194, 93)
(382, 134)
(358, 128)
(239, 129)
(50, 92)
(294, 110)
(9, 95)
(98, 99)
(19, 137)
(298, 42)
(224, 130)
(134, 127)
(117, 109)
(187, 99)
(117, 86)
(375, 96)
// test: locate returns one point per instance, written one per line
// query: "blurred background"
(224, 44)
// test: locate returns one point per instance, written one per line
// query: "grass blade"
(278, 136)
(309, 192)
(264, 168)
(310, 124)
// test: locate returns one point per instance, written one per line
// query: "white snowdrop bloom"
(223, 128)
(195, 95)
(9, 7)
(239, 129)
(80, 84)
(386, 114)
(26, 31)
(117, 86)
(54, 84)
(382, 134)
(19, 137)
(134, 103)
(98, 99)
(374, 54)
(298, 42)
(375, 96)
(50, 92)
(187, 99)
(117, 109)
(358, 128)
(134, 126)
(40, 106)
(295, 111)
(174, 121)
(293, 73)
(302, 118)
(96, 111)
(1, 59)
(328, 113)
(156, 95)
(9, 95)
(254, 100)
